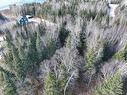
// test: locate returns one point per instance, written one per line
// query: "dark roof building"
(22, 20)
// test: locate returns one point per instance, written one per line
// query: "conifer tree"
(32, 52)
(7, 80)
(49, 84)
(63, 34)
(16, 61)
(8, 57)
(56, 84)
(110, 86)
(50, 49)
(24, 61)
(39, 46)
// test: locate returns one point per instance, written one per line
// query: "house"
(112, 9)
(29, 17)
(23, 20)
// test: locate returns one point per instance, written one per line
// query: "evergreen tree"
(121, 55)
(55, 84)
(82, 44)
(16, 61)
(7, 80)
(110, 86)
(24, 61)
(39, 45)
(49, 84)
(32, 52)
(63, 34)
(50, 49)
(68, 42)
(8, 57)
(89, 57)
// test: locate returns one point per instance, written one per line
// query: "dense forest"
(83, 53)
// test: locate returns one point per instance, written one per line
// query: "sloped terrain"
(83, 53)
(2, 19)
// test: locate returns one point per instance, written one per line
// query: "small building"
(112, 9)
(23, 20)
(1, 38)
